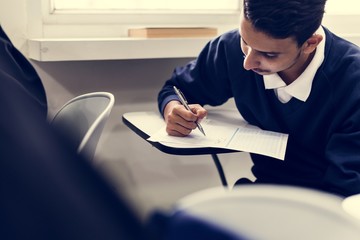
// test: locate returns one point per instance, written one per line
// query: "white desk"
(146, 123)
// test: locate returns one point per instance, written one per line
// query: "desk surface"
(146, 123)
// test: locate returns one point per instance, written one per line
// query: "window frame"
(205, 6)
(46, 22)
(71, 35)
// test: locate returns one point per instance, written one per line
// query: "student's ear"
(310, 45)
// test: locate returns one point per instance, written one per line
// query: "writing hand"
(179, 121)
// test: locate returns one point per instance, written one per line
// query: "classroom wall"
(13, 18)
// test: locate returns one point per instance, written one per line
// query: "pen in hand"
(185, 103)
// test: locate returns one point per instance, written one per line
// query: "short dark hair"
(285, 18)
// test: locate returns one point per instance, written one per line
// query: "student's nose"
(251, 61)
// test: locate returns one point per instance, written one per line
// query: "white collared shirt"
(301, 87)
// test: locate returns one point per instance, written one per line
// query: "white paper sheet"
(241, 137)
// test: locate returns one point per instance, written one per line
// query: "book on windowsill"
(177, 32)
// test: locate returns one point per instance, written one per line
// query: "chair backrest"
(82, 120)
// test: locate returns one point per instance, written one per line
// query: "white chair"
(270, 212)
(82, 120)
(351, 205)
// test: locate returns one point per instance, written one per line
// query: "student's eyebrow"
(262, 52)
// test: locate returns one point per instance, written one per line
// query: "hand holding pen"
(185, 104)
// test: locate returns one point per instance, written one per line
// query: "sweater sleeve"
(19, 69)
(205, 80)
(343, 173)
(343, 148)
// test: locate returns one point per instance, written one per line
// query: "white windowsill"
(83, 49)
(71, 49)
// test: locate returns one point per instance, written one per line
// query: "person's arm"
(20, 70)
(343, 153)
(204, 81)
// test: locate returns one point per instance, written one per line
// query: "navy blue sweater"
(323, 150)
(15, 68)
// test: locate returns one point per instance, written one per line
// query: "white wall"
(13, 18)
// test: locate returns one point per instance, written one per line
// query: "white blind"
(332, 6)
(146, 4)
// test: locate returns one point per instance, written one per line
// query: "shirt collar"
(301, 87)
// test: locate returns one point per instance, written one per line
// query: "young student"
(287, 73)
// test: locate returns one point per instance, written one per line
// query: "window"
(342, 7)
(61, 30)
(341, 16)
(112, 18)
(77, 29)
(144, 5)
